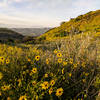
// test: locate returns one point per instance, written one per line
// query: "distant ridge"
(6, 34)
(30, 31)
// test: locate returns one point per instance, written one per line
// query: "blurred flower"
(34, 70)
(71, 61)
(7, 61)
(1, 75)
(55, 51)
(59, 60)
(37, 58)
(86, 74)
(64, 63)
(45, 85)
(2, 59)
(52, 82)
(23, 98)
(29, 60)
(5, 87)
(59, 55)
(46, 75)
(70, 74)
(33, 83)
(85, 95)
(47, 61)
(59, 92)
(50, 91)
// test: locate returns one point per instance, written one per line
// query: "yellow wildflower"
(1, 75)
(70, 74)
(59, 92)
(52, 82)
(47, 61)
(37, 58)
(64, 63)
(7, 61)
(46, 75)
(55, 51)
(34, 70)
(45, 85)
(50, 91)
(23, 98)
(59, 60)
(5, 87)
(29, 60)
(71, 61)
(59, 55)
(1, 58)
(34, 83)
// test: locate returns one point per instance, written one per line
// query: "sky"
(43, 13)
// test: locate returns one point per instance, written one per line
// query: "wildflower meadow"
(61, 70)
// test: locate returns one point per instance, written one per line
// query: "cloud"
(43, 12)
(18, 0)
(86, 5)
(3, 3)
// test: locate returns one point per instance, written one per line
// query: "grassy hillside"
(89, 22)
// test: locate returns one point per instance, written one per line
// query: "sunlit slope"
(89, 22)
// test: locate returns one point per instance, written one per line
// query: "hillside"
(6, 34)
(86, 23)
(30, 31)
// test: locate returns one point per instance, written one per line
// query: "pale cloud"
(29, 20)
(3, 3)
(43, 12)
(18, 0)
